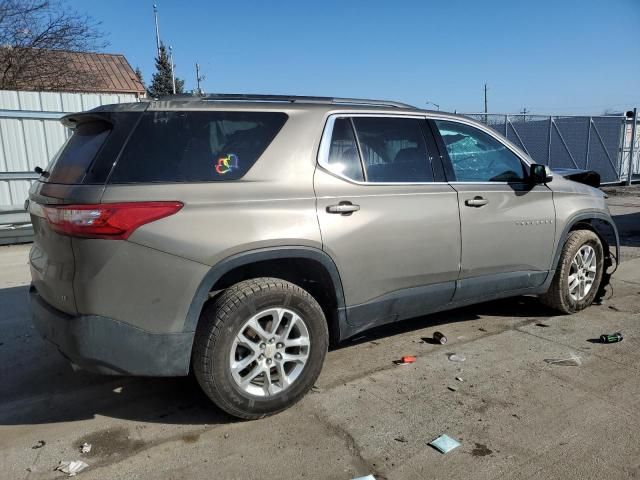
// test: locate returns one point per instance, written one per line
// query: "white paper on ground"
(72, 468)
(444, 443)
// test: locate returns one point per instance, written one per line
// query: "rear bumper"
(104, 345)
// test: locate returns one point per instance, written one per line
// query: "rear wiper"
(42, 172)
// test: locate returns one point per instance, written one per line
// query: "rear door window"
(393, 149)
(196, 146)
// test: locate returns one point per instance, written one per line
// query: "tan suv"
(238, 235)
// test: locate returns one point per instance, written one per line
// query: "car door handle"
(343, 208)
(476, 202)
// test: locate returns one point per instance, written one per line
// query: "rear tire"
(259, 347)
(575, 284)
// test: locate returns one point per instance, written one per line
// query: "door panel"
(507, 223)
(402, 236)
(512, 232)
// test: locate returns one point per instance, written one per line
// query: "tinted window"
(343, 152)
(75, 157)
(196, 146)
(393, 149)
(477, 156)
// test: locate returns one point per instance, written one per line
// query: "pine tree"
(138, 73)
(161, 83)
(179, 85)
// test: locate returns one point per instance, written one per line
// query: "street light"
(434, 104)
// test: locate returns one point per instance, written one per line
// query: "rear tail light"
(116, 221)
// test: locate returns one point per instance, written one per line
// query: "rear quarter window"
(196, 146)
(74, 158)
(88, 155)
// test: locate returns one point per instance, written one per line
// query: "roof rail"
(247, 97)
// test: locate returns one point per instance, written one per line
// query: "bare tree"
(38, 39)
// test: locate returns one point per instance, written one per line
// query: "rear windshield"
(196, 146)
(75, 157)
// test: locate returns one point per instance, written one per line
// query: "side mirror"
(539, 174)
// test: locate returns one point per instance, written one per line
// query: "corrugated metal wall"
(29, 142)
(30, 135)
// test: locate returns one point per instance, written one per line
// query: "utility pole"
(199, 78)
(173, 73)
(485, 103)
(524, 112)
(155, 15)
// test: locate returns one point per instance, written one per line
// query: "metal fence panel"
(626, 152)
(593, 143)
(531, 134)
(607, 140)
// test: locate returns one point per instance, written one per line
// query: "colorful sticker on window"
(227, 164)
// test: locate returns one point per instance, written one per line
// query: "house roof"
(94, 72)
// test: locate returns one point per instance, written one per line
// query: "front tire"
(577, 279)
(259, 347)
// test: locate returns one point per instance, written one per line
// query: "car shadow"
(39, 386)
(514, 307)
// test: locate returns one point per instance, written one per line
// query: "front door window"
(478, 157)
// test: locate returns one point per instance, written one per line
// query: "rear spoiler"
(102, 113)
(72, 120)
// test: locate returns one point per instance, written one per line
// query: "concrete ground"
(518, 413)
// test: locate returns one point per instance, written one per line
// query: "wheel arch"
(598, 222)
(287, 263)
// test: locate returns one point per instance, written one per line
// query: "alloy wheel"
(269, 352)
(582, 272)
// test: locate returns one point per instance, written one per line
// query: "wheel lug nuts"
(279, 345)
(263, 346)
(271, 340)
(261, 357)
(268, 361)
(278, 356)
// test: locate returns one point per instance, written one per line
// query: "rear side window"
(343, 152)
(196, 146)
(76, 156)
(393, 149)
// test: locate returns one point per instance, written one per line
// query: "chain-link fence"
(595, 143)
